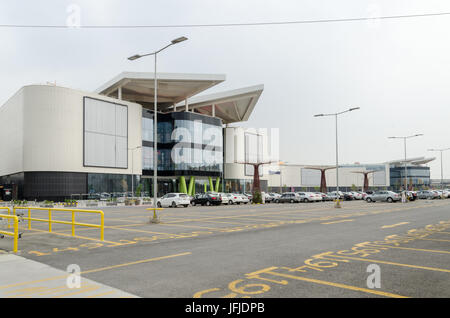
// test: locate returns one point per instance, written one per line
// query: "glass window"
(147, 129)
(147, 158)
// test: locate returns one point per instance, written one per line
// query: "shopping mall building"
(59, 142)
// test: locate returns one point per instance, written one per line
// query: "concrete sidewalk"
(24, 278)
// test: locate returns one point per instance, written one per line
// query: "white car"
(357, 195)
(229, 198)
(309, 197)
(244, 198)
(174, 200)
(238, 198)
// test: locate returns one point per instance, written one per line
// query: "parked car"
(228, 198)
(309, 197)
(348, 196)
(275, 195)
(442, 194)
(288, 197)
(206, 199)
(105, 196)
(356, 195)
(411, 195)
(427, 195)
(173, 200)
(387, 196)
(244, 198)
(249, 196)
(324, 196)
(336, 195)
(268, 197)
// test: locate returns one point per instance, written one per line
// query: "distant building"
(388, 175)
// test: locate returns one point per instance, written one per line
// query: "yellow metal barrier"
(50, 220)
(155, 217)
(15, 235)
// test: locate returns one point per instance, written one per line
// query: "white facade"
(243, 145)
(42, 130)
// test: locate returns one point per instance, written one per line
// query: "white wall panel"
(53, 137)
(121, 152)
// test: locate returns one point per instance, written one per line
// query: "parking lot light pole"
(338, 204)
(442, 169)
(132, 169)
(155, 120)
(281, 180)
(406, 169)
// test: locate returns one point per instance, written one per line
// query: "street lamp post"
(337, 205)
(132, 168)
(155, 120)
(406, 169)
(281, 180)
(442, 169)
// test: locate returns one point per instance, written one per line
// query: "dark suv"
(206, 199)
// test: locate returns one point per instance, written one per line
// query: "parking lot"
(271, 250)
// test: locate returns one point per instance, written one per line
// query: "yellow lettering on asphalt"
(242, 289)
(203, 292)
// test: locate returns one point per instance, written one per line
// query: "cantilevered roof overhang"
(172, 87)
(231, 106)
(413, 161)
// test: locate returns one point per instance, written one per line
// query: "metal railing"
(73, 223)
(14, 234)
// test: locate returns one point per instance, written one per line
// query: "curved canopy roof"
(231, 106)
(172, 87)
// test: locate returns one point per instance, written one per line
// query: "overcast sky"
(397, 71)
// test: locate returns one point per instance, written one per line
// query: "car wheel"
(193, 203)
(389, 200)
(369, 200)
(230, 202)
(277, 201)
(174, 205)
(208, 203)
(159, 204)
(305, 200)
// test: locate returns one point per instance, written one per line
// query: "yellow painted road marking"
(344, 286)
(134, 263)
(200, 293)
(143, 231)
(412, 249)
(77, 236)
(393, 225)
(96, 270)
(340, 221)
(392, 263)
(436, 240)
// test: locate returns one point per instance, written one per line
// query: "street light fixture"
(442, 169)
(337, 205)
(155, 120)
(406, 169)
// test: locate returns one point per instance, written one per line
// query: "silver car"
(427, 195)
(387, 196)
